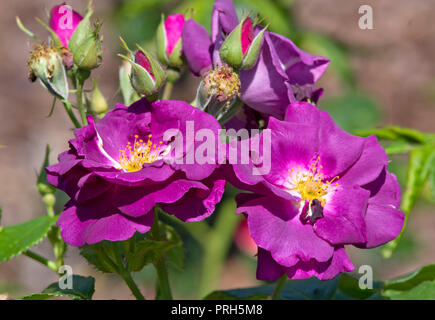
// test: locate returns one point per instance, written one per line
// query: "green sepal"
(161, 42)
(53, 34)
(231, 49)
(253, 52)
(128, 93)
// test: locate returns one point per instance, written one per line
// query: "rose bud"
(85, 44)
(147, 74)
(98, 102)
(169, 42)
(129, 95)
(45, 64)
(64, 21)
(241, 49)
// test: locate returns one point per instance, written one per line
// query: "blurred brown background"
(394, 64)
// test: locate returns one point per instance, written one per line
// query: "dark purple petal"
(224, 18)
(301, 67)
(197, 204)
(265, 87)
(267, 268)
(197, 47)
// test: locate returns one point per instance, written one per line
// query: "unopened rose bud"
(147, 75)
(46, 64)
(169, 42)
(129, 95)
(85, 44)
(98, 102)
(64, 21)
(241, 49)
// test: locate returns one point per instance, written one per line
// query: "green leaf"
(145, 252)
(18, 238)
(418, 171)
(353, 110)
(417, 285)
(398, 147)
(395, 133)
(100, 255)
(343, 287)
(221, 295)
(83, 289)
(412, 279)
(136, 252)
(424, 291)
(349, 286)
(432, 178)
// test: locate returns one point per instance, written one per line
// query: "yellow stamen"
(310, 184)
(132, 159)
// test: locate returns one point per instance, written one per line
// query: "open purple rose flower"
(283, 73)
(325, 189)
(64, 22)
(118, 169)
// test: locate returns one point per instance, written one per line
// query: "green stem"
(160, 265)
(71, 114)
(280, 284)
(125, 274)
(46, 262)
(162, 274)
(216, 247)
(167, 91)
(132, 285)
(80, 104)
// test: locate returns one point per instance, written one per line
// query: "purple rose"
(283, 73)
(119, 168)
(64, 21)
(325, 189)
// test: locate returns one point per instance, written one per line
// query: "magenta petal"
(143, 61)
(63, 23)
(343, 221)
(247, 34)
(328, 270)
(174, 27)
(338, 150)
(274, 225)
(114, 227)
(369, 166)
(384, 220)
